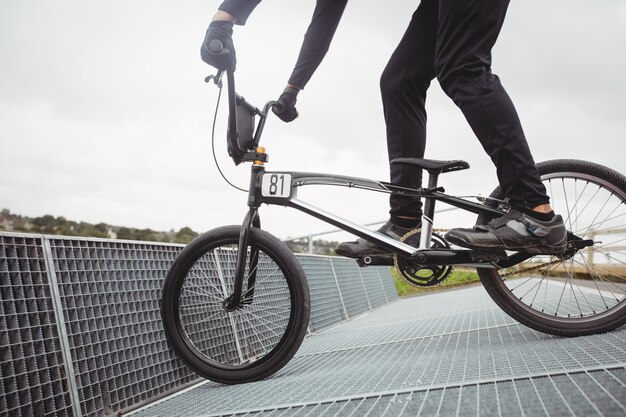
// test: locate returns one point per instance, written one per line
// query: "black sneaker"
(362, 247)
(514, 231)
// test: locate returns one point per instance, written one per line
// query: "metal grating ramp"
(452, 353)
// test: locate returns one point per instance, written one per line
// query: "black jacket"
(317, 39)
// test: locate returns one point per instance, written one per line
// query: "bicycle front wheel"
(584, 292)
(252, 341)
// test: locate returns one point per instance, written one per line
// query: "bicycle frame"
(263, 189)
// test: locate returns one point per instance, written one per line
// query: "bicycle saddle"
(433, 166)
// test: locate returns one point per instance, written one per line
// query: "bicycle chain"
(532, 268)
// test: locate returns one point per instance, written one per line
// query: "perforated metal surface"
(351, 286)
(452, 353)
(340, 290)
(373, 286)
(553, 395)
(32, 374)
(326, 304)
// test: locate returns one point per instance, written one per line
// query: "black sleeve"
(317, 39)
(241, 9)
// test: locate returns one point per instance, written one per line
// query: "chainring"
(421, 275)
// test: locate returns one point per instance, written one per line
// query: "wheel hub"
(229, 305)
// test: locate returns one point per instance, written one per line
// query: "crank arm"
(385, 259)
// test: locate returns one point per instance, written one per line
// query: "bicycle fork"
(252, 219)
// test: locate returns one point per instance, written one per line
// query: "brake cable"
(217, 107)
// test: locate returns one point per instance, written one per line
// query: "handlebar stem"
(235, 100)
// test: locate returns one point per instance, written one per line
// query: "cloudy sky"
(104, 116)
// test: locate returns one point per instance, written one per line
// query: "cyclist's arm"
(237, 9)
(326, 17)
(317, 40)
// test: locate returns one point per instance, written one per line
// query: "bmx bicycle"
(235, 303)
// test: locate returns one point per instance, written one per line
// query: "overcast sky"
(104, 116)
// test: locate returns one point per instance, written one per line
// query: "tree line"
(51, 225)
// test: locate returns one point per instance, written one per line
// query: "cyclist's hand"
(286, 109)
(218, 49)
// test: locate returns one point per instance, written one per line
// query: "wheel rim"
(238, 338)
(592, 282)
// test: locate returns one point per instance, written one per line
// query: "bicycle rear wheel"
(248, 343)
(584, 293)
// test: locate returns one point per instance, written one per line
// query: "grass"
(457, 278)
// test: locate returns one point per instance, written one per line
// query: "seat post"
(428, 213)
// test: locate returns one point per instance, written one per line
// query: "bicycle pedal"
(486, 256)
(375, 260)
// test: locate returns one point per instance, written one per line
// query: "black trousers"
(452, 41)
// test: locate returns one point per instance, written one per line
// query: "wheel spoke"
(598, 214)
(263, 322)
(203, 293)
(608, 216)
(531, 288)
(571, 280)
(255, 333)
(605, 253)
(595, 283)
(206, 279)
(544, 274)
(566, 202)
(587, 205)
(264, 279)
(560, 299)
(604, 280)
(268, 313)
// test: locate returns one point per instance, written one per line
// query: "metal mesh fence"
(326, 303)
(110, 294)
(351, 286)
(373, 286)
(81, 326)
(33, 379)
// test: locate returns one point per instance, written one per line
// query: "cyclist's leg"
(467, 31)
(403, 84)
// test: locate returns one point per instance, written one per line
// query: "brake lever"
(217, 78)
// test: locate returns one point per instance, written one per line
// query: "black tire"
(595, 292)
(250, 343)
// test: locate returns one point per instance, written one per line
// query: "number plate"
(276, 185)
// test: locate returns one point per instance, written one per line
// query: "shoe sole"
(538, 249)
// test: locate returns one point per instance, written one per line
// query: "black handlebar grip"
(216, 46)
(279, 106)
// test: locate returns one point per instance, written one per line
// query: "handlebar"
(216, 46)
(279, 107)
(239, 148)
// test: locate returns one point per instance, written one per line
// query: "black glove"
(218, 49)
(286, 108)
